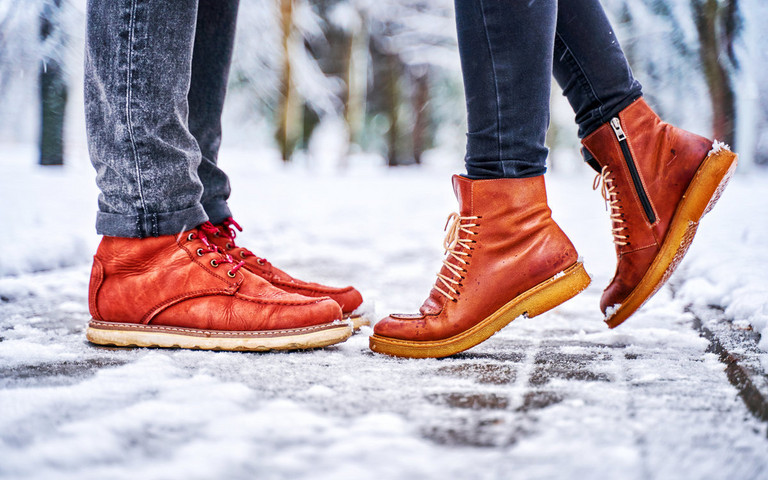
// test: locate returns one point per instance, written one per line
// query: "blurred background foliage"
(380, 79)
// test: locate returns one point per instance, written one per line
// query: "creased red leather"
(348, 297)
(518, 246)
(97, 276)
(163, 281)
(667, 158)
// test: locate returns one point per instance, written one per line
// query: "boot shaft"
(658, 181)
(651, 164)
(516, 242)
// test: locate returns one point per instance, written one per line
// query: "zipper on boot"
(622, 138)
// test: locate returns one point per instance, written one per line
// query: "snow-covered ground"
(557, 396)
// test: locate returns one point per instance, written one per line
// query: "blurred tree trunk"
(422, 119)
(392, 107)
(357, 82)
(53, 91)
(717, 27)
(333, 54)
(289, 105)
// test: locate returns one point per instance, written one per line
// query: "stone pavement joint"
(737, 349)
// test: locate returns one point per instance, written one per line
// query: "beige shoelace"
(604, 181)
(458, 249)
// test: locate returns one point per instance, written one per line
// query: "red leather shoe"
(348, 298)
(659, 181)
(181, 291)
(506, 258)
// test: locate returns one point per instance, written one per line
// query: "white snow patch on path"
(559, 395)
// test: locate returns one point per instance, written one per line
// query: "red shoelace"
(209, 229)
(229, 226)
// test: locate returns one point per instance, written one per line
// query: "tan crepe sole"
(705, 189)
(357, 320)
(133, 335)
(533, 302)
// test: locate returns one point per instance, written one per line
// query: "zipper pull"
(616, 125)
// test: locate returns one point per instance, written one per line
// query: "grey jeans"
(155, 79)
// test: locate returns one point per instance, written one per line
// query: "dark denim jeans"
(155, 79)
(509, 51)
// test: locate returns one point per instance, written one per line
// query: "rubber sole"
(133, 335)
(533, 302)
(358, 320)
(704, 191)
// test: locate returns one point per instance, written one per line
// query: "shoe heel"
(712, 178)
(703, 193)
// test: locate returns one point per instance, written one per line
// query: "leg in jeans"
(137, 75)
(214, 39)
(156, 279)
(506, 57)
(590, 66)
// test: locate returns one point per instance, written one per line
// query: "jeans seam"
(495, 82)
(129, 101)
(579, 71)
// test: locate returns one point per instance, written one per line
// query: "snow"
(559, 395)
(727, 264)
(718, 146)
(611, 310)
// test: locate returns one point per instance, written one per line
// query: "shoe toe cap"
(401, 326)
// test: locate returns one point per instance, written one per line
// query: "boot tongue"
(462, 187)
(590, 160)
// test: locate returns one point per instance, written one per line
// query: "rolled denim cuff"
(150, 224)
(217, 211)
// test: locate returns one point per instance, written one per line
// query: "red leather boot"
(348, 298)
(658, 181)
(506, 257)
(181, 291)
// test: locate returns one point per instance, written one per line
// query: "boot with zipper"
(658, 181)
(348, 298)
(506, 258)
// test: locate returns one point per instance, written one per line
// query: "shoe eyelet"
(260, 261)
(242, 254)
(231, 274)
(214, 263)
(229, 246)
(190, 237)
(199, 252)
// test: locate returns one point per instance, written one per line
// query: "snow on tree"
(684, 51)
